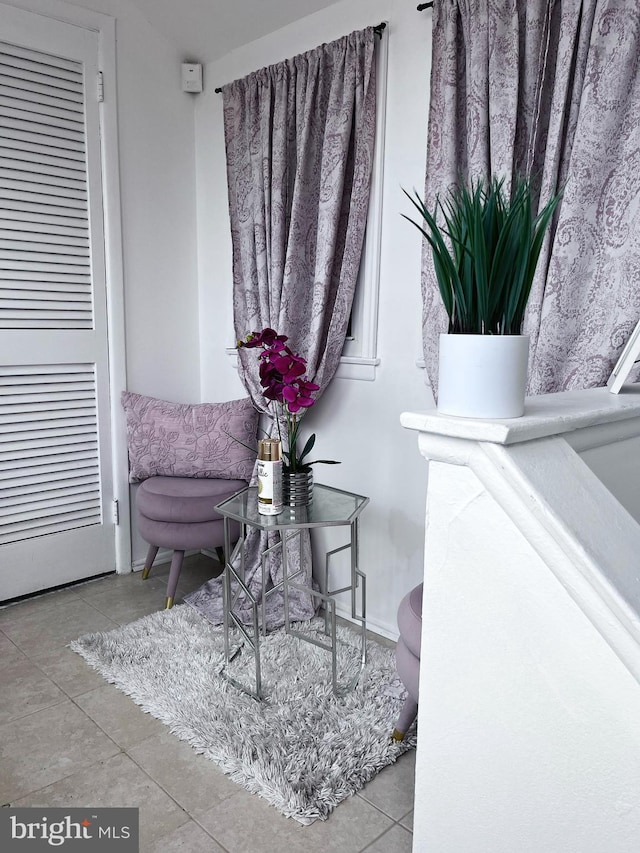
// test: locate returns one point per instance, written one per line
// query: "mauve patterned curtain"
(552, 90)
(299, 139)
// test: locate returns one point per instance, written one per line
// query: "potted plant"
(290, 394)
(485, 251)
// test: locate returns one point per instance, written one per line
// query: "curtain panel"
(299, 139)
(549, 89)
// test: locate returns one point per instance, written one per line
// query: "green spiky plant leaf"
(485, 250)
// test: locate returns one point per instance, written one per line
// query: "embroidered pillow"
(183, 440)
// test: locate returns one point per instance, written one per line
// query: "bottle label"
(269, 487)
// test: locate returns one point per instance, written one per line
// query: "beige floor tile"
(188, 838)
(407, 821)
(118, 585)
(9, 651)
(68, 670)
(6, 646)
(85, 589)
(26, 688)
(117, 781)
(349, 829)
(18, 610)
(392, 789)
(126, 603)
(195, 782)
(47, 746)
(395, 840)
(35, 627)
(196, 572)
(118, 715)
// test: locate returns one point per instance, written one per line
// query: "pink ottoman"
(179, 513)
(408, 657)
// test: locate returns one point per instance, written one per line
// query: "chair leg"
(151, 555)
(174, 574)
(220, 555)
(407, 715)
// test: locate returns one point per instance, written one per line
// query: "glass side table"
(330, 508)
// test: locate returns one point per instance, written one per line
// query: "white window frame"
(360, 352)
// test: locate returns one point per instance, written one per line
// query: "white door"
(56, 522)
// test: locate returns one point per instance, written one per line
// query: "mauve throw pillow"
(183, 440)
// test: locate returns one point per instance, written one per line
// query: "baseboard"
(381, 628)
(373, 625)
(209, 553)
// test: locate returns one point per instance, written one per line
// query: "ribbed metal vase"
(297, 489)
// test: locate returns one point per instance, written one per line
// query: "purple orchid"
(281, 373)
(267, 337)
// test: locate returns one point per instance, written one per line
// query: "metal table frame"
(331, 508)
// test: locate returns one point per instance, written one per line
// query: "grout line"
(14, 644)
(60, 701)
(379, 808)
(61, 779)
(164, 790)
(376, 839)
(76, 769)
(204, 829)
(386, 832)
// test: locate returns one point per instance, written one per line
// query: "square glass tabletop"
(330, 507)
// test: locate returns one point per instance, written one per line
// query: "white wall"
(356, 421)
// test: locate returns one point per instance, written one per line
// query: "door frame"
(105, 26)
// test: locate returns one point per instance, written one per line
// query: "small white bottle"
(269, 476)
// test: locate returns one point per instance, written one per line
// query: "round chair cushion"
(181, 536)
(184, 500)
(410, 620)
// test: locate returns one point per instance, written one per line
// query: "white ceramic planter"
(483, 376)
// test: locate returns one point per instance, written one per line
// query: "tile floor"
(67, 738)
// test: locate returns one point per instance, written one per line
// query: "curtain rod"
(378, 30)
(422, 6)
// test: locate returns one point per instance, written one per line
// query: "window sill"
(350, 367)
(357, 367)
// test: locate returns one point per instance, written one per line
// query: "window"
(359, 355)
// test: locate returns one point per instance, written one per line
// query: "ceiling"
(204, 30)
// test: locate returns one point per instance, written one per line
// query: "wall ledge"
(545, 415)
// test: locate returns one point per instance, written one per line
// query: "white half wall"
(356, 421)
(529, 713)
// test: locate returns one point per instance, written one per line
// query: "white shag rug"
(302, 748)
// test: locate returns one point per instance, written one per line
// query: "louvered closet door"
(56, 523)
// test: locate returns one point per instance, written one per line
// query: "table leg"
(229, 616)
(226, 589)
(358, 579)
(285, 579)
